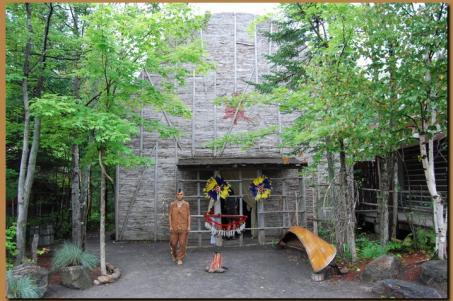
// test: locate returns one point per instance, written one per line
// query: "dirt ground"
(253, 272)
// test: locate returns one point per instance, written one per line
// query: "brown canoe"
(320, 253)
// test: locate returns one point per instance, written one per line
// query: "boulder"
(76, 277)
(113, 275)
(434, 273)
(395, 288)
(38, 274)
(383, 267)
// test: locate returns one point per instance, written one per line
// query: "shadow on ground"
(253, 272)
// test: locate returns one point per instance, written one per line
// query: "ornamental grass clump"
(21, 287)
(71, 255)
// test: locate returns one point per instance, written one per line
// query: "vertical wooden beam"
(176, 167)
(241, 206)
(140, 152)
(235, 55)
(193, 114)
(256, 55)
(156, 177)
(285, 200)
(315, 205)
(117, 194)
(199, 207)
(260, 207)
(215, 112)
(302, 197)
(297, 208)
(270, 47)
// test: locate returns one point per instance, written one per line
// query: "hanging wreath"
(261, 188)
(211, 185)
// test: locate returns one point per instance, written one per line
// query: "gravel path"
(254, 272)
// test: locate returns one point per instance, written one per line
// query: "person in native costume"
(218, 190)
(179, 222)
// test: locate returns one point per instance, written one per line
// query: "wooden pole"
(302, 196)
(140, 152)
(297, 209)
(215, 112)
(241, 208)
(156, 176)
(235, 56)
(315, 206)
(260, 207)
(198, 207)
(193, 114)
(256, 55)
(117, 198)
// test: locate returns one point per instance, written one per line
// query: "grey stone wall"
(237, 60)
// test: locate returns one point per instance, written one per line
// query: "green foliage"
(371, 250)
(11, 244)
(11, 184)
(326, 232)
(245, 140)
(425, 240)
(71, 255)
(21, 287)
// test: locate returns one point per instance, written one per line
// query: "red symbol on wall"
(230, 111)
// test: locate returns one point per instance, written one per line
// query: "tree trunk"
(25, 186)
(440, 222)
(75, 197)
(345, 224)
(351, 203)
(102, 217)
(331, 171)
(395, 197)
(84, 202)
(383, 210)
(22, 207)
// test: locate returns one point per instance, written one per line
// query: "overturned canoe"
(320, 253)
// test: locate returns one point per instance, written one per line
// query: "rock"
(76, 277)
(434, 273)
(38, 274)
(113, 276)
(383, 267)
(395, 288)
(104, 279)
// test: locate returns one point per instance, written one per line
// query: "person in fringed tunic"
(179, 221)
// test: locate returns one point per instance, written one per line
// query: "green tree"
(120, 43)
(408, 68)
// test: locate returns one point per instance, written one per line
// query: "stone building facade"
(143, 194)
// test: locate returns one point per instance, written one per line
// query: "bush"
(11, 251)
(368, 249)
(425, 240)
(371, 250)
(21, 287)
(71, 255)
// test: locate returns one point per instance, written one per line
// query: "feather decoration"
(212, 183)
(261, 188)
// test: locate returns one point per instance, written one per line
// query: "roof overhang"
(257, 162)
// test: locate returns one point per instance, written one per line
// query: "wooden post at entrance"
(260, 207)
(198, 207)
(302, 197)
(241, 204)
